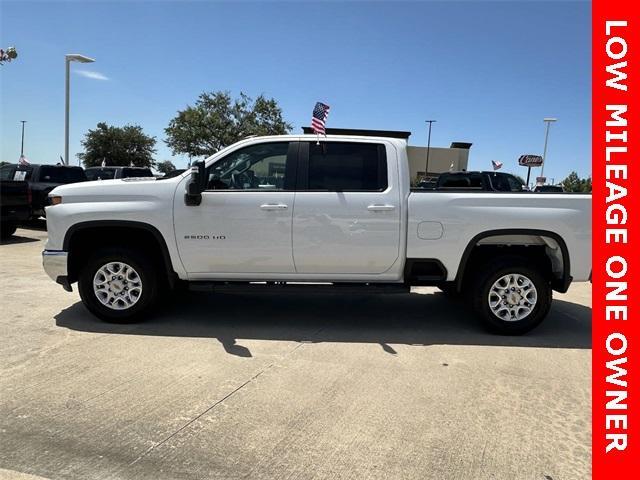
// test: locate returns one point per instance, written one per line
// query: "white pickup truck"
(285, 211)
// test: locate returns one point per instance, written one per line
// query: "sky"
(488, 72)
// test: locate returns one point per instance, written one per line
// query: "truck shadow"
(39, 224)
(410, 319)
(17, 239)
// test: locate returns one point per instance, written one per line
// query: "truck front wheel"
(118, 285)
(511, 296)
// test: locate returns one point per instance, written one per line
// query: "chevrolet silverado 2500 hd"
(283, 210)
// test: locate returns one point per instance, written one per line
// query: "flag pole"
(426, 167)
(318, 119)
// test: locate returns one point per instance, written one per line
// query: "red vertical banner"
(616, 245)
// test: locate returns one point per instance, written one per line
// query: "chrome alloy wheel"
(512, 297)
(117, 285)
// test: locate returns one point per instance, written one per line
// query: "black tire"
(491, 273)
(146, 271)
(7, 230)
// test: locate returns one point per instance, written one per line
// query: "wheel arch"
(102, 232)
(561, 278)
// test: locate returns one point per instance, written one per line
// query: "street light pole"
(72, 57)
(66, 110)
(426, 167)
(22, 143)
(548, 121)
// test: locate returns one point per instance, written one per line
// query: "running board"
(355, 288)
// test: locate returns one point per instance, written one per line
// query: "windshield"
(136, 172)
(62, 174)
(103, 173)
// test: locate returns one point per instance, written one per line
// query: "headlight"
(55, 199)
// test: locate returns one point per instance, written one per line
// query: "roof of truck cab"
(358, 132)
(325, 138)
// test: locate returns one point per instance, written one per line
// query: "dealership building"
(441, 159)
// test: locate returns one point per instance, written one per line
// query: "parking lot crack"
(215, 404)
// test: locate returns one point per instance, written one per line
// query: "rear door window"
(345, 166)
(22, 172)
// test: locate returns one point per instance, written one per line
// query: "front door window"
(257, 167)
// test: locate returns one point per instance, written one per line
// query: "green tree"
(573, 183)
(7, 55)
(216, 121)
(122, 146)
(165, 167)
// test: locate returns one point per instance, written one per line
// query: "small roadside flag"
(23, 160)
(319, 117)
(496, 164)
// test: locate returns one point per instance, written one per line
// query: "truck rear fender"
(540, 245)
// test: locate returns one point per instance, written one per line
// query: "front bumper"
(55, 264)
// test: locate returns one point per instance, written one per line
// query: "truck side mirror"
(197, 184)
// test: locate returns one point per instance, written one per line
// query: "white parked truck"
(291, 211)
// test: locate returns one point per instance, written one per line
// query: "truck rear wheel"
(511, 296)
(118, 285)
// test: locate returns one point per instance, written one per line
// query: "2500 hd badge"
(205, 237)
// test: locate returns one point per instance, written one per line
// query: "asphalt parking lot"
(261, 386)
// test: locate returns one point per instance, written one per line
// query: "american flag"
(320, 114)
(496, 164)
(23, 160)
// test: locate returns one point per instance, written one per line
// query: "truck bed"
(439, 223)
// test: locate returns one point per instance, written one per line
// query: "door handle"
(274, 206)
(381, 208)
